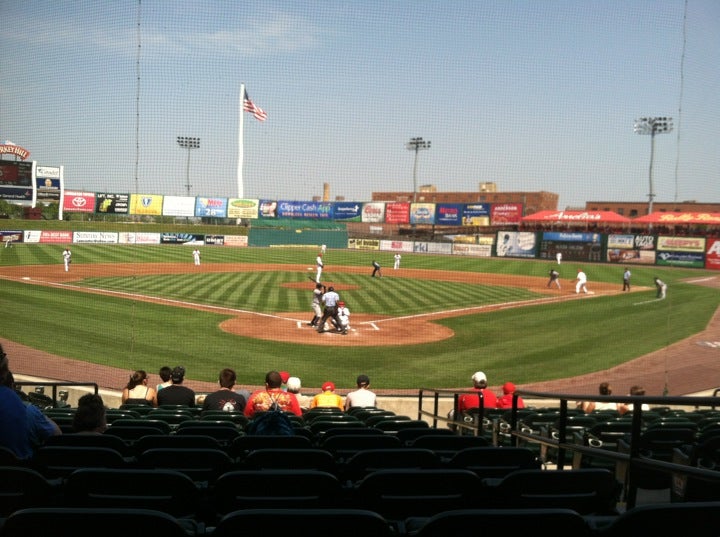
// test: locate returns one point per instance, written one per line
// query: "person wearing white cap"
(480, 385)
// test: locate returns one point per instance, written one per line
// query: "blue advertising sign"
(449, 214)
(321, 210)
(347, 210)
(681, 259)
(211, 207)
(566, 236)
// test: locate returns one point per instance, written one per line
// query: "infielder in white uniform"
(319, 265)
(67, 258)
(397, 261)
(581, 282)
(196, 256)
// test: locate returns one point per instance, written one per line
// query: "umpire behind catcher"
(330, 299)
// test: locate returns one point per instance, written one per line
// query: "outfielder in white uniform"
(319, 265)
(581, 282)
(343, 315)
(397, 261)
(67, 258)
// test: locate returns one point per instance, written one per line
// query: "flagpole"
(241, 150)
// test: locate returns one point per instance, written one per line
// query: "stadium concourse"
(684, 368)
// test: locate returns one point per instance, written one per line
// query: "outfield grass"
(524, 345)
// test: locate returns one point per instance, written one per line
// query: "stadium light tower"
(652, 126)
(416, 144)
(189, 143)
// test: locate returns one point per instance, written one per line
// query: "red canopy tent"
(672, 219)
(577, 217)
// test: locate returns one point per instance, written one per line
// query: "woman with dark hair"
(137, 391)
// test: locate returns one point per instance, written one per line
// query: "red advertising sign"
(712, 254)
(78, 202)
(397, 213)
(505, 213)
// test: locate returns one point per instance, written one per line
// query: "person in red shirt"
(467, 401)
(271, 397)
(506, 399)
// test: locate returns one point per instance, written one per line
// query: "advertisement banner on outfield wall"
(396, 246)
(268, 209)
(132, 237)
(364, 244)
(95, 237)
(681, 251)
(48, 237)
(506, 213)
(422, 213)
(474, 250)
(516, 244)
(476, 214)
(347, 211)
(106, 203)
(712, 255)
(179, 206)
(373, 213)
(633, 249)
(181, 238)
(243, 208)
(444, 248)
(397, 213)
(316, 210)
(78, 202)
(449, 214)
(211, 207)
(146, 204)
(8, 237)
(236, 240)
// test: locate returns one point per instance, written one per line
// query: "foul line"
(648, 301)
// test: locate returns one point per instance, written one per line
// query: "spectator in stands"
(480, 385)
(327, 398)
(294, 385)
(590, 406)
(272, 397)
(624, 408)
(90, 416)
(506, 399)
(362, 396)
(137, 391)
(176, 393)
(165, 374)
(225, 398)
(23, 427)
(284, 376)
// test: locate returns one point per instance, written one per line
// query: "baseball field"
(431, 323)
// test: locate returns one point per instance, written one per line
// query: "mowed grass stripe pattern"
(266, 292)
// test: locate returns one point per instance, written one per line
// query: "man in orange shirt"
(272, 397)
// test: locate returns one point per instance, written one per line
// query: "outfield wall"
(624, 249)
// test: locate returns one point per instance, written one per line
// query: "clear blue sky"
(532, 95)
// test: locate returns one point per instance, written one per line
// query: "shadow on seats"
(250, 489)
(89, 522)
(585, 490)
(305, 522)
(460, 523)
(21, 488)
(700, 519)
(168, 491)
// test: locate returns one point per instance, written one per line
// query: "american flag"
(256, 111)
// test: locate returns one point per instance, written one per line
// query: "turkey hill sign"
(12, 149)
